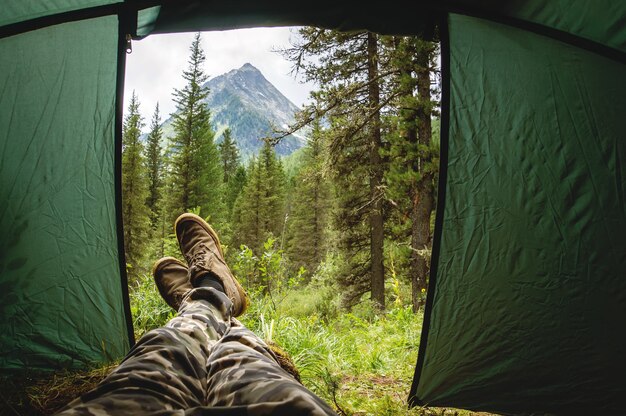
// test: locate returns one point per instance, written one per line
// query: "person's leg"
(202, 362)
(242, 370)
(166, 370)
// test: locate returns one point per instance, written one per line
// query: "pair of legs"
(203, 362)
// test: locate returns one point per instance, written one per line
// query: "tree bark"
(376, 178)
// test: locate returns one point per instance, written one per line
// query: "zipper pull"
(129, 45)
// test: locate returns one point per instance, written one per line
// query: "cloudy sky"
(155, 66)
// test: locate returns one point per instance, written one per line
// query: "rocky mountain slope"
(244, 100)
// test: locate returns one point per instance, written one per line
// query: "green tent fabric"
(60, 294)
(530, 293)
(14, 11)
(527, 303)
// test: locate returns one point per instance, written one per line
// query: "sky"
(155, 66)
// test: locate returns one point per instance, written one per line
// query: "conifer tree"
(234, 187)
(259, 210)
(229, 154)
(273, 190)
(347, 66)
(136, 215)
(310, 207)
(414, 154)
(196, 172)
(234, 173)
(154, 161)
(247, 209)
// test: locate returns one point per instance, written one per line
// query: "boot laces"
(200, 256)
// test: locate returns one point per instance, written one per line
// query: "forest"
(359, 195)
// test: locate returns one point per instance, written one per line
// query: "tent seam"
(543, 30)
(41, 22)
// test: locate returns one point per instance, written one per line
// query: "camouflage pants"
(203, 362)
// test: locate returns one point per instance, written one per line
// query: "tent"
(526, 310)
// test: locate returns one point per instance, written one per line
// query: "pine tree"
(273, 190)
(259, 210)
(352, 97)
(309, 214)
(196, 172)
(136, 215)
(229, 154)
(234, 187)
(154, 161)
(413, 153)
(234, 174)
(377, 233)
(246, 210)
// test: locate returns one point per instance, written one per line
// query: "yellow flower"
(423, 290)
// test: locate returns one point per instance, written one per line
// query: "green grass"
(148, 309)
(360, 362)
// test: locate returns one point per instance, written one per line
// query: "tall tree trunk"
(376, 177)
(423, 198)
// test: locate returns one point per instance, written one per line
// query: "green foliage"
(235, 179)
(234, 187)
(259, 210)
(310, 206)
(351, 98)
(293, 162)
(413, 152)
(265, 274)
(413, 148)
(154, 163)
(343, 357)
(136, 215)
(229, 154)
(359, 362)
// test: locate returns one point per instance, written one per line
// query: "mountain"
(244, 100)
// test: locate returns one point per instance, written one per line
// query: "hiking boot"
(203, 252)
(172, 280)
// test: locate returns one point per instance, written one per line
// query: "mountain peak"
(248, 67)
(246, 102)
(246, 71)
